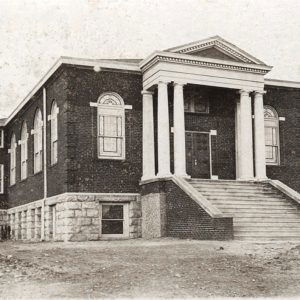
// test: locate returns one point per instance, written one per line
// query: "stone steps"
(259, 211)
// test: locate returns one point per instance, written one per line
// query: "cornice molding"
(204, 62)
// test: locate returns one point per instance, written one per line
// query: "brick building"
(191, 142)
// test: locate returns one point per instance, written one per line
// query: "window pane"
(268, 136)
(269, 152)
(201, 105)
(112, 227)
(110, 145)
(274, 136)
(112, 212)
(110, 126)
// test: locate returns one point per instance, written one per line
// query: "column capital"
(146, 92)
(163, 82)
(260, 93)
(179, 83)
(244, 92)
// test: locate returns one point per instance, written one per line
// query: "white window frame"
(1, 138)
(1, 179)
(273, 122)
(38, 142)
(111, 104)
(24, 151)
(13, 155)
(191, 106)
(125, 220)
(53, 117)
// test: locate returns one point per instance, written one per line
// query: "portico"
(184, 65)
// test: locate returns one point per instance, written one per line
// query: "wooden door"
(198, 154)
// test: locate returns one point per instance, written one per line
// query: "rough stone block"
(90, 205)
(92, 212)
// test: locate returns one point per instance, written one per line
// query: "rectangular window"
(54, 140)
(1, 138)
(272, 147)
(114, 220)
(1, 179)
(197, 105)
(12, 166)
(110, 136)
(38, 148)
(24, 157)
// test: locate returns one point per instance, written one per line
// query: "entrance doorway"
(198, 154)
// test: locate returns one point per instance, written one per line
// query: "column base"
(147, 177)
(246, 179)
(163, 175)
(186, 176)
(261, 178)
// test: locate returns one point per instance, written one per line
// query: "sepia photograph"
(149, 149)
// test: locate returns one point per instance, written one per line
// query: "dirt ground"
(166, 268)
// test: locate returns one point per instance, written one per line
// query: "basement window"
(114, 220)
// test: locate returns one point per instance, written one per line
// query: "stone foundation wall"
(4, 228)
(69, 217)
(154, 215)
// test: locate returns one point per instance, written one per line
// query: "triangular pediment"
(216, 48)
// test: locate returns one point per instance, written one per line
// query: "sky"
(35, 33)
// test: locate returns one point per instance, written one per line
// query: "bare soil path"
(166, 268)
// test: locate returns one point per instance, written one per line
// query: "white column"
(237, 138)
(148, 136)
(163, 131)
(259, 136)
(179, 132)
(246, 144)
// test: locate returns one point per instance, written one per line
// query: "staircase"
(259, 211)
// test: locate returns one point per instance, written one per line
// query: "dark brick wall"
(32, 187)
(286, 101)
(185, 218)
(87, 173)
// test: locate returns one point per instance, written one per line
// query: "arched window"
(38, 141)
(111, 126)
(24, 150)
(272, 136)
(54, 135)
(12, 151)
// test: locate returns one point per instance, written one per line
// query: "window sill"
(111, 158)
(53, 165)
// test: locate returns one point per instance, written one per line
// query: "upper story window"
(272, 136)
(24, 151)
(1, 179)
(13, 154)
(1, 138)
(199, 104)
(54, 132)
(111, 126)
(38, 141)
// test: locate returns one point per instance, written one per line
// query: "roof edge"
(72, 61)
(283, 83)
